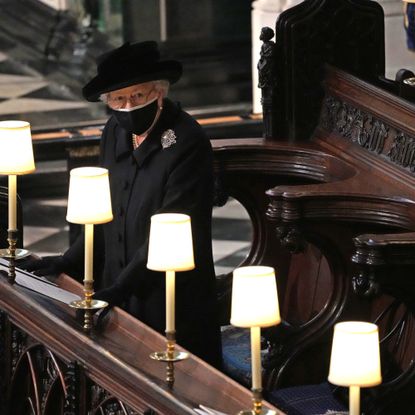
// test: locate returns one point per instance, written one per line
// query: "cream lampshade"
(89, 199)
(255, 305)
(170, 244)
(254, 297)
(16, 150)
(16, 157)
(355, 359)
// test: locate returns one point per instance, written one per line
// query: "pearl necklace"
(137, 140)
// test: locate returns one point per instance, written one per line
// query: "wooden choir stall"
(330, 191)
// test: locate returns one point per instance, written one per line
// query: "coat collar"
(123, 145)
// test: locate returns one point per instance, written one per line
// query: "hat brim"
(167, 70)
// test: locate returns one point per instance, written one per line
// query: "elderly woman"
(159, 160)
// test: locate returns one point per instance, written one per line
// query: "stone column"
(264, 13)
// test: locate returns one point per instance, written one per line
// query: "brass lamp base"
(88, 305)
(12, 253)
(257, 405)
(19, 253)
(170, 356)
(92, 305)
(166, 357)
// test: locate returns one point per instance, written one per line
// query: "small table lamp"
(170, 249)
(16, 157)
(355, 359)
(89, 203)
(255, 305)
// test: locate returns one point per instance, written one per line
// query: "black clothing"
(149, 180)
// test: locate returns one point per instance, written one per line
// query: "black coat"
(143, 182)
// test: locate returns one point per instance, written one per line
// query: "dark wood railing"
(49, 366)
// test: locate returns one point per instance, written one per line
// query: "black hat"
(128, 65)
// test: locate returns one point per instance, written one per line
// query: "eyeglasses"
(120, 101)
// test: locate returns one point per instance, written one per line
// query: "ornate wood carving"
(361, 127)
(402, 151)
(291, 238)
(4, 361)
(354, 124)
(267, 79)
(72, 389)
(40, 383)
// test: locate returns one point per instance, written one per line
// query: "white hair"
(161, 85)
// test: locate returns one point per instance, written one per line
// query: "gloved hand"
(46, 266)
(113, 295)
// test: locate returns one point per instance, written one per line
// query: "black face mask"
(139, 119)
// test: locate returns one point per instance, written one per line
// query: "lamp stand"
(354, 400)
(257, 405)
(88, 305)
(12, 253)
(170, 356)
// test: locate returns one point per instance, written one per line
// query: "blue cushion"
(236, 351)
(306, 400)
(298, 400)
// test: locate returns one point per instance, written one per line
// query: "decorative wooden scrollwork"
(39, 383)
(291, 238)
(354, 124)
(112, 406)
(72, 379)
(37, 386)
(364, 284)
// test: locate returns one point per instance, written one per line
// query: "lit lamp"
(89, 203)
(355, 359)
(16, 157)
(170, 249)
(255, 305)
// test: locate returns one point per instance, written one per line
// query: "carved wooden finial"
(266, 75)
(266, 34)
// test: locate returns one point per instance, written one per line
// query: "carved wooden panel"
(369, 132)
